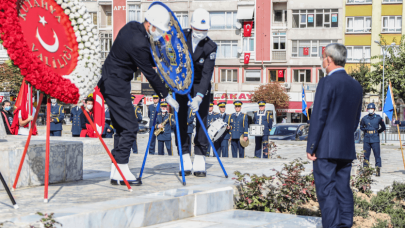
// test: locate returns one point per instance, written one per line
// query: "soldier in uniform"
(165, 137)
(130, 52)
(203, 51)
(138, 115)
(75, 120)
(221, 145)
(57, 116)
(262, 142)
(239, 126)
(108, 127)
(151, 115)
(372, 125)
(212, 116)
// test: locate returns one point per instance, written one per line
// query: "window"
(320, 74)
(108, 16)
(278, 16)
(392, 1)
(229, 75)
(279, 40)
(134, 13)
(183, 19)
(3, 51)
(391, 24)
(302, 75)
(358, 24)
(93, 16)
(227, 48)
(249, 43)
(320, 18)
(358, 53)
(223, 20)
(360, 1)
(277, 75)
(252, 75)
(309, 48)
(106, 43)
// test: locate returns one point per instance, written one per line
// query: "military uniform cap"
(163, 104)
(222, 104)
(211, 104)
(237, 103)
(261, 103)
(155, 95)
(371, 106)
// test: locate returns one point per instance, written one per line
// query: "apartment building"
(365, 20)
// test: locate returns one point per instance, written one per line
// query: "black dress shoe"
(200, 174)
(377, 172)
(131, 182)
(186, 173)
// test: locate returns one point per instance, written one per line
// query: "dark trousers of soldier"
(376, 150)
(235, 144)
(261, 142)
(56, 133)
(152, 145)
(161, 148)
(200, 139)
(223, 148)
(125, 124)
(135, 147)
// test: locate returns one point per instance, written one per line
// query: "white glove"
(195, 104)
(172, 102)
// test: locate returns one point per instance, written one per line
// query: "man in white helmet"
(131, 51)
(203, 51)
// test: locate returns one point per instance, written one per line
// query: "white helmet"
(159, 17)
(200, 19)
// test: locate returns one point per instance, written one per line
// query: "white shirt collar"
(335, 70)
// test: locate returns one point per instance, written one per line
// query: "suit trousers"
(125, 124)
(376, 150)
(262, 143)
(152, 145)
(135, 146)
(55, 133)
(200, 139)
(332, 183)
(161, 149)
(235, 144)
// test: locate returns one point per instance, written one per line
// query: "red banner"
(99, 112)
(247, 58)
(306, 51)
(280, 73)
(1, 99)
(323, 50)
(247, 28)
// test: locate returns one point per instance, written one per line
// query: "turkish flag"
(306, 51)
(280, 73)
(323, 50)
(1, 98)
(247, 28)
(247, 58)
(99, 113)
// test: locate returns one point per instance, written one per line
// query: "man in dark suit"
(335, 117)
(131, 51)
(203, 51)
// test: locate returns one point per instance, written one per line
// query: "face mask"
(53, 101)
(7, 108)
(200, 35)
(156, 34)
(164, 111)
(370, 111)
(89, 107)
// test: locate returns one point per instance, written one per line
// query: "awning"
(137, 99)
(245, 13)
(294, 107)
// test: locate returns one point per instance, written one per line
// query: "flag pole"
(305, 98)
(399, 135)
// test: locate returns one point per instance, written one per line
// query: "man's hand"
(245, 138)
(160, 126)
(228, 128)
(311, 157)
(108, 130)
(172, 102)
(30, 118)
(195, 104)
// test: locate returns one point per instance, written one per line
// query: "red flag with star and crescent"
(247, 58)
(247, 28)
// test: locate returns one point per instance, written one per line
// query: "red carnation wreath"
(49, 68)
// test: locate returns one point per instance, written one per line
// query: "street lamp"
(385, 49)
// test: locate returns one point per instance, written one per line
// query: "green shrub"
(383, 202)
(397, 217)
(381, 224)
(363, 179)
(398, 190)
(361, 206)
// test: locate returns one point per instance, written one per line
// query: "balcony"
(279, 55)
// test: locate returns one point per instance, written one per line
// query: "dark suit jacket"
(335, 117)
(131, 50)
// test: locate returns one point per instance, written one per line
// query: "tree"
(394, 68)
(272, 93)
(362, 74)
(10, 78)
